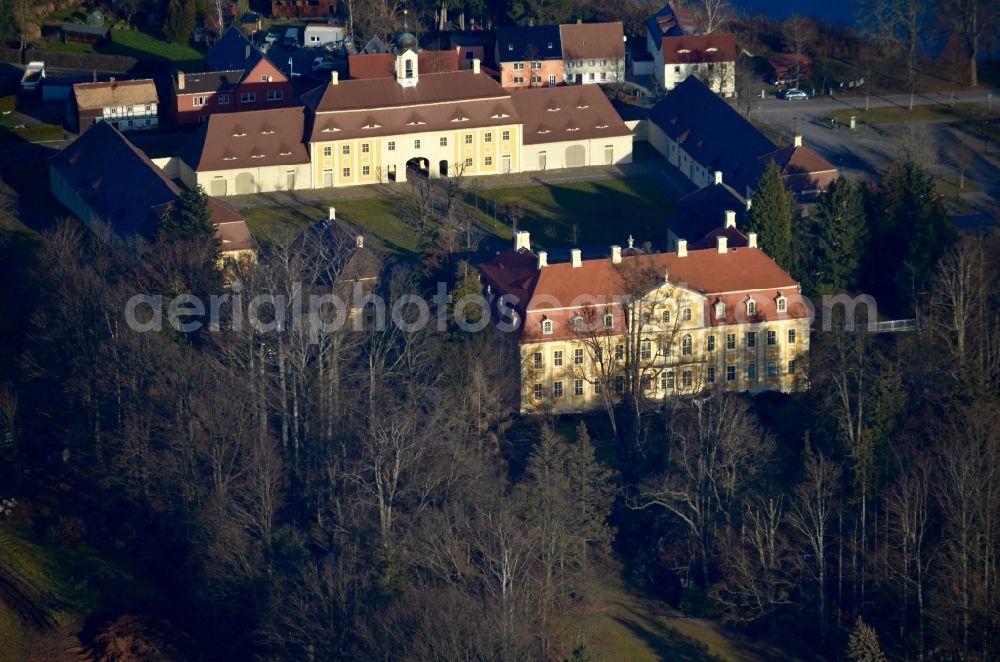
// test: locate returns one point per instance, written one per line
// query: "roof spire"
(630, 241)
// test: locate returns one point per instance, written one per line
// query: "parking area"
(298, 62)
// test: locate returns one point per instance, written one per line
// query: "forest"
(373, 493)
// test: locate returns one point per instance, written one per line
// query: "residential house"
(711, 57)
(684, 322)
(303, 8)
(593, 52)
(469, 47)
(118, 193)
(129, 105)
(238, 78)
(671, 21)
(529, 56)
(252, 152)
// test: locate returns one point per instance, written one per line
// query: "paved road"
(772, 107)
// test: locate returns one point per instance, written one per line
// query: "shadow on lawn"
(667, 643)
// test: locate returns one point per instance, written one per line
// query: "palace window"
(730, 341)
(751, 338)
(645, 350)
(772, 369)
(609, 321)
(557, 358)
(791, 336)
(752, 371)
(791, 367)
(686, 315)
(365, 148)
(505, 135)
(686, 345)
(347, 173)
(710, 374)
(751, 308)
(710, 343)
(468, 139)
(619, 352)
(782, 304)
(720, 310)
(538, 391)
(686, 379)
(578, 387)
(645, 383)
(538, 360)
(488, 137)
(366, 170)
(391, 146)
(730, 373)
(557, 389)
(578, 356)
(327, 151)
(772, 338)
(547, 327)
(345, 150)
(666, 317)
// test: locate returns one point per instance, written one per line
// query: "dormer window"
(601, 125)
(228, 158)
(267, 132)
(257, 156)
(553, 109)
(550, 44)
(460, 118)
(583, 106)
(720, 310)
(573, 128)
(609, 321)
(544, 131)
(578, 324)
(782, 303)
(711, 49)
(373, 125)
(284, 153)
(684, 51)
(751, 308)
(239, 133)
(510, 47)
(330, 129)
(547, 327)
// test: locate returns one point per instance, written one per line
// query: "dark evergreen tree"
(189, 217)
(771, 217)
(909, 229)
(836, 244)
(180, 22)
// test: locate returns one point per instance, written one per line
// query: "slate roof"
(114, 179)
(700, 212)
(209, 81)
(540, 42)
(671, 21)
(577, 112)
(712, 133)
(233, 52)
(127, 191)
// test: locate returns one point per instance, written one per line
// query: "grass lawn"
(618, 624)
(32, 134)
(605, 211)
(936, 113)
(140, 45)
(377, 216)
(949, 186)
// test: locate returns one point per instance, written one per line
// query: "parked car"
(795, 95)
(322, 64)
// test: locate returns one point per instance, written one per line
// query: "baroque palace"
(720, 314)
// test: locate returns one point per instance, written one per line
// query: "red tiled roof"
(798, 160)
(381, 65)
(690, 49)
(387, 93)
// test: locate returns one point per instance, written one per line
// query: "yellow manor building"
(720, 316)
(374, 130)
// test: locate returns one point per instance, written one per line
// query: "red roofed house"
(658, 325)
(238, 77)
(710, 57)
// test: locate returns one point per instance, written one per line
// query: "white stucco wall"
(722, 79)
(265, 179)
(594, 153)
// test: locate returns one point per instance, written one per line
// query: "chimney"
(752, 240)
(475, 65)
(718, 176)
(682, 248)
(579, 20)
(797, 140)
(334, 77)
(359, 241)
(749, 204)
(522, 240)
(575, 257)
(730, 218)
(543, 259)
(246, 52)
(180, 80)
(723, 243)
(616, 254)
(332, 213)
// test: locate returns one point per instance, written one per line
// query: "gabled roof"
(209, 81)
(671, 21)
(128, 192)
(691, 49)
(540, 42)
(251, 139)
(382, 65)
(99, 30)
(114, 179)
(592, 40)
(734, 239)
(233, 51)
(92, 96)
(556, 114)
(712, 133)
(704, 210)
(801, 160)
(387, 93)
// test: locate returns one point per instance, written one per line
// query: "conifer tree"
(593, 492)
(188, 217)
(771, 217)
(863, 644)
(838, 238)
(180, 21)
